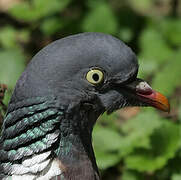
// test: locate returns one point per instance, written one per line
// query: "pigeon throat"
(75, 150)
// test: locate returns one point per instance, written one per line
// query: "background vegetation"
(133, 143)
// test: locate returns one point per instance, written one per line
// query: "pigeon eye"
(95, 76)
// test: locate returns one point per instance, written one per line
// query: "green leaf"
(12, 64)
(106, 143)
(138, 130)
(154, 47)
(131, 175)
(100, 19)
(8, 37)
(154, 50)
(51, 26)
(164, 143)
(168, 78)
(141, 5)
(36, 9)
(126, 34)
(23, 35)
(146, 67)
(171, 29)
(176, 177)
(106, 160)
(106, 139)
(179, 112)
(110, 121)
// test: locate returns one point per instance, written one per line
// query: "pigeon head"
(91, 69)
(57, 100)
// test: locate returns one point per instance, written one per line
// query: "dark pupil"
(95, 77)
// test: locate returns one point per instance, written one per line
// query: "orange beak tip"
(156, 100)
(161, 102)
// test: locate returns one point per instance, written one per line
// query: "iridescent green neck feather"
(41, 126)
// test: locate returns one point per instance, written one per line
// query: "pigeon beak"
(149, 96)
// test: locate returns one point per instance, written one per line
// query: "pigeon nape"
(47, 131)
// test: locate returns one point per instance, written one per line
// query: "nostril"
(144, 88)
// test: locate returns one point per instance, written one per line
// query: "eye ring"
(95, 76)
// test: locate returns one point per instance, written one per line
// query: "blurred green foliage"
(146, 145)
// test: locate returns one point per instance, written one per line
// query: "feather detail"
(27, 142)
(53, 171)
(35, 159)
